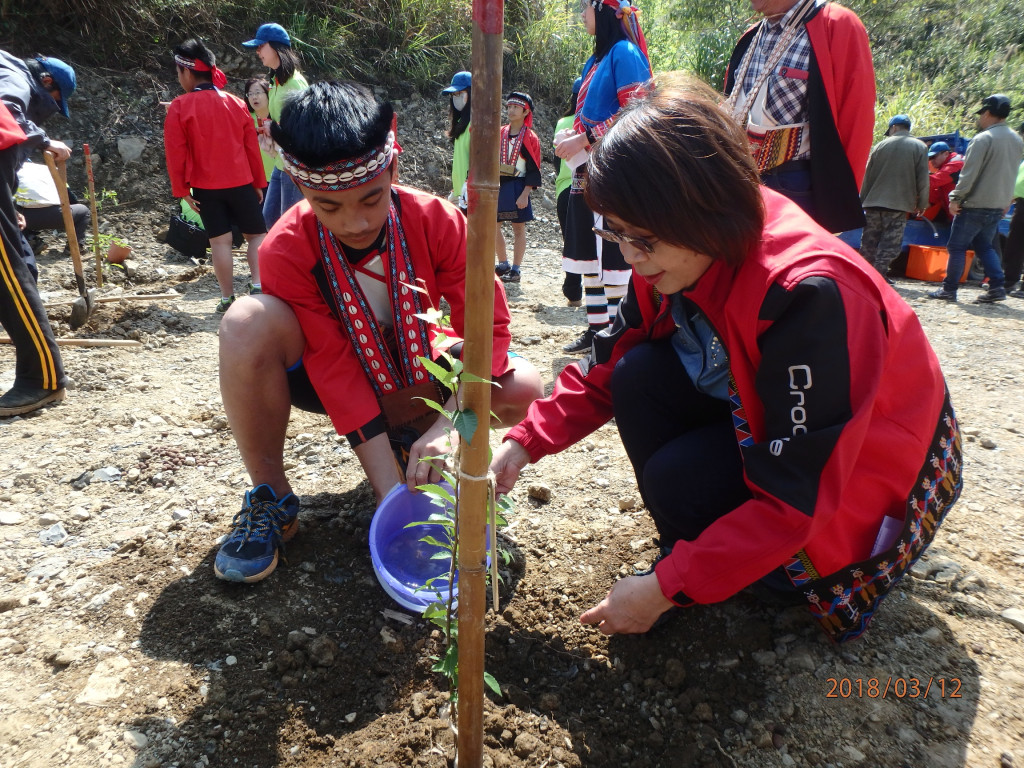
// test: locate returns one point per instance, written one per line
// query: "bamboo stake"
(92, 211)
(87, 342)
(121, 297)
(483, 211)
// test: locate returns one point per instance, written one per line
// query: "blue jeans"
(281, 195)
(974, 228)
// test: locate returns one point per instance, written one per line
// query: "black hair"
(458, 121)
(607, 30)
(36, 69)
(289, 62)
(262, 83)
(194, 48)
(332, 120)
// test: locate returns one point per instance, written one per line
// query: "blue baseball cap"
(938, 146)
(269, 33)
(460, 82)
(63, 77)
(899, 120)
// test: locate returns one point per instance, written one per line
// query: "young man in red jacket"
(348, 274)
(214, 161)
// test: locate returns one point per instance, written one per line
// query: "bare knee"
(520, 386)
(260, 330)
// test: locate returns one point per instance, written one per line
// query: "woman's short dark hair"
(458, 121)
(677, 165)
(261, 82)
(331, 121)
(289, 62)
(194, 48)
(607, 30)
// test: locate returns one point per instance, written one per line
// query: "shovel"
(84, 304)
(95, 223)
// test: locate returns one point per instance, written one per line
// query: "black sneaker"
(512, 276)
(1017, 293)
(21, 400)
(502, 269)
(582, 344)
(991, 296)
(943, 295)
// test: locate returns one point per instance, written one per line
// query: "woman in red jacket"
(783, 411)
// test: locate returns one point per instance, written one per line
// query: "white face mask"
(459, 100)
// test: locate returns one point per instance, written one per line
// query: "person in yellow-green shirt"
(274, 49)
(459, 98)
(257, 99)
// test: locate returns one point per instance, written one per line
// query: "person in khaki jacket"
(982, 194)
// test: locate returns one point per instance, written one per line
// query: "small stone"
(107, 475)
(764, 658)
(231, 661)
(180, 515)
(987, 442)
(703, 712)
(539, 491)
(136, 740)
(296, 640)
(740, 717)
(933, 635)
(47, 518)
(54, 536)
(602, 482)
(627, 504)
(675, 673)
(1014, 616)
(351, 717)
(322, 651)
(80, 514)
(10, 517)
(854, 754)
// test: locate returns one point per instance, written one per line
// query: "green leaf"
(435, 543)
(439, 372)
(466, 376)
(433, 489)
(436, 406)
(432, 316)
(465, 423)
(492, 683)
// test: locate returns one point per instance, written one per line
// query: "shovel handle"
(95, 221)
(59, 174)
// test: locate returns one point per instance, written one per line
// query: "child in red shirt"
(214, 162)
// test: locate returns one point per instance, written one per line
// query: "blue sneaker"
(262, 527)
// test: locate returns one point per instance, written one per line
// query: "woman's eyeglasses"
(254, 94)
(640, 243)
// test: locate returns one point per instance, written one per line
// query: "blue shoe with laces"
(260, 529)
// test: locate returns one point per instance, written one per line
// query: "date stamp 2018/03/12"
(895, 687)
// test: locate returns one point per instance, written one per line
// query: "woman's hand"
(192, 202)
(440, 439)
(569, 147)
(524, 199)
(507, 463)
(631, 607)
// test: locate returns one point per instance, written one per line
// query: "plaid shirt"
(786, 101)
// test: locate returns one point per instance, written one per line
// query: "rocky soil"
(118, 647)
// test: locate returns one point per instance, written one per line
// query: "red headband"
(197, 65)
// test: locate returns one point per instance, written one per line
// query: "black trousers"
(50, 217)
(38, 364)
(1013, 251)
(684, 452)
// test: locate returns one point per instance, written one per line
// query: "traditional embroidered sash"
(577, 124)
(510, 147)
(386, 374)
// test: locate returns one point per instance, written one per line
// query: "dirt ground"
(118, 647)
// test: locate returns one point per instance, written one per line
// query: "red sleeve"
(176, 149)
(843, 52)
(531, 145)
(10, 132)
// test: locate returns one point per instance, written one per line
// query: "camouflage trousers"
(882, 238)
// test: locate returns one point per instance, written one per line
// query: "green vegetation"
(935, 59)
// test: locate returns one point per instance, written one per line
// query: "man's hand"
(59, 150)
(954, 207)
(506, 464)
(436, 441)
(21, 222)
(631, 607)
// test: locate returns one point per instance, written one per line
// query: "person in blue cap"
(945, 166)
(459, 101)
(895, 184)
(274, 48)
(31, 90)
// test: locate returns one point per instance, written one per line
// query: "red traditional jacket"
(291, 269)
(210, 143)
